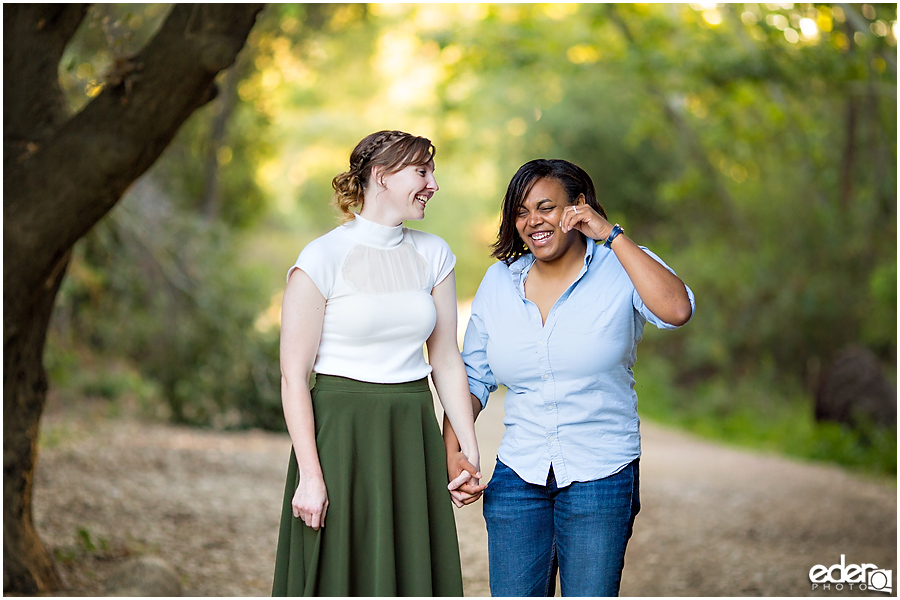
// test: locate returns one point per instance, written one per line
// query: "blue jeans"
(581, 530)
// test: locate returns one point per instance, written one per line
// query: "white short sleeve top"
(377, 284)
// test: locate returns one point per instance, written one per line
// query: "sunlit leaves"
(583, 53)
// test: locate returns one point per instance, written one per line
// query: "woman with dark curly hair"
(367, 457)
(557, 321)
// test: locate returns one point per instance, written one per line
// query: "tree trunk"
(848, 158)
(27, 566)
(61, 174)
(212, 193)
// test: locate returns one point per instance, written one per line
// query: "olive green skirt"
(389, 529)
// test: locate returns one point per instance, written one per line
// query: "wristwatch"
(616, 230)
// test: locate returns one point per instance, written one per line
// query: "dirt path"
(715, 521)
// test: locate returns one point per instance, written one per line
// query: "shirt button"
(545, 376)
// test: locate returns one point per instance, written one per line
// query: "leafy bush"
(166, 291)
(763, 412)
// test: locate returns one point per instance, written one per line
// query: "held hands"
(586, 220)
(310, 501)
(464, 477)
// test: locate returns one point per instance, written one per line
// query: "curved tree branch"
(34, 38)
(53, 196)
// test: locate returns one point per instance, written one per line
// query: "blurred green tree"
(753, 145)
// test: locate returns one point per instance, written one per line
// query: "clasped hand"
(464, 480)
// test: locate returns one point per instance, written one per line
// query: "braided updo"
(391, 150)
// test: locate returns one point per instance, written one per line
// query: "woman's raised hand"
(586, 220)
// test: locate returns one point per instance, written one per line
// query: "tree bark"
(61, 174)
(212, 196)
(27, 566)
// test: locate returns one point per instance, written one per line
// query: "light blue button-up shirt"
(570, 401)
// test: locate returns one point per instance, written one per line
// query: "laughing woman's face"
(537, 221)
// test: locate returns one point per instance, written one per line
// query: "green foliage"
(752, 146)
(87, 545)
(114, 384)
(156, 283)
(167, 293)
(86, 542)
(764, 412)
(879, 318)
(780, 215)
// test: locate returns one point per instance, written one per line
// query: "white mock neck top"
(377, 284)
(373, 234)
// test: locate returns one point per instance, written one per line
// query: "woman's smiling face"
(537, 221)
(409, 190)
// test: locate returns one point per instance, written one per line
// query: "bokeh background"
(752, 146)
